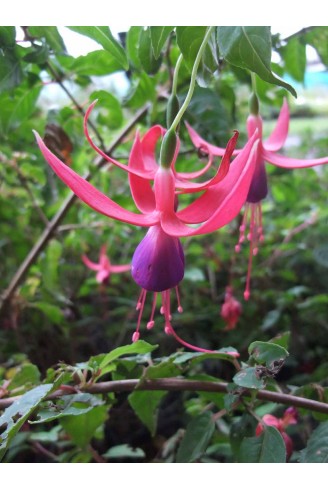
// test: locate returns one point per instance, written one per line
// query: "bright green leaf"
(113, 115)
(26, 374)
(68, 405)
(159, 35)
(196, 439)
(81, 428)
(250, 48)
(318, 38)
(139, 347)
(189, 40)
(267, 353)
(145, 404)
(145, 52)
(17, 414)
(7, 36)
(103, 36)
(10, 70)
(269, 447)
(249, 378)
(51, 35)
(132, 45)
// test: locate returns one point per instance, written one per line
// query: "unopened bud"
(168, 147)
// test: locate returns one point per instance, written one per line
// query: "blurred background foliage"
(60, 314)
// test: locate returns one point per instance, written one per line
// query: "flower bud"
(168, 148)
(172, 109)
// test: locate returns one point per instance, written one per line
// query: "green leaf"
(7, 36)
(159, 35)
(103, 36)
(145, 403)
(140, 347)
(11, 73)
(38, 54)
(250, 48)
(81, 428)
(249, 378)
(145, 52)
(17, 414)
(69, 405)
(142, 90)
(267, 353)
(316, 450)
(240, 429)
(51, 35)
(23, 105)
(113, 117)
(189, 40)
(318, 38)
(132, 45)
(26, 374)
(269, 447)
(294, 57)
(124, 451)
(97, 63)
(196, 439)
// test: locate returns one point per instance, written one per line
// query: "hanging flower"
(289, 418)
(231, 309)
(104, 268)
(158, 262)
(266, 152)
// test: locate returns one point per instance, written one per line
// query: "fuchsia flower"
(231, 309)
(158, 262)
(104, 268)
(266, 152)
(289, 418)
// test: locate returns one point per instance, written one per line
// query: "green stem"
(253, 79)
(184, 106)
(176, 75)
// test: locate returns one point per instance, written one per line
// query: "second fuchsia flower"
(266, 151)
(104, 268)
(158, 262)
(289, 418)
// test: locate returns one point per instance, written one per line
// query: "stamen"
(151, 322)
(140, 307)
(180, 309)
(254, 235)
(167, 311)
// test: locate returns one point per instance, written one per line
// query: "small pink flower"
(104, 268)
(266, 152)
(289, 418)
(231, 309)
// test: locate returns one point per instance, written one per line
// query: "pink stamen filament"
(151, 322)
(180, 309)
(255, 236)
(140, 307)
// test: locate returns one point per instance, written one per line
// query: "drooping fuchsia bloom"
(104, 268)
(289, 418)
(231, 309)
(158, 262)
(266, 152)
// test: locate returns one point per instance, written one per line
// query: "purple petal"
(158, 261)
(259, 186)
